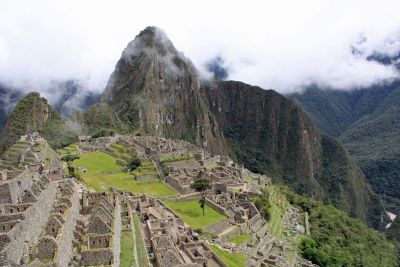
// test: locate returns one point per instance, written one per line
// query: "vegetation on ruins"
(263, 205)
(69, 158)
(201, 185)
(338, 240)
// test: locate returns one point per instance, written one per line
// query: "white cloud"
(273, 44)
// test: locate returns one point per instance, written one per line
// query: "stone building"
(97, 233)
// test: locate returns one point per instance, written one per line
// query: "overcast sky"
(274, 44)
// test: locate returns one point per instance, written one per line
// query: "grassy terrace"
(192, 214)
(146, 168)
(278, 208)
(239, 239)
(230, 258)
(103, 171)
(127, 258)
(118, 149)
(70, 149)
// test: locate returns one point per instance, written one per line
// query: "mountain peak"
(151, 39)
(155, 90)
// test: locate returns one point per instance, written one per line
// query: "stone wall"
(97, 257)
(174, 182)
(12, 190)
(64, 252)
(217, 207)
(29, 229)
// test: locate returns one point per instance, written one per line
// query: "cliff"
(271, 134)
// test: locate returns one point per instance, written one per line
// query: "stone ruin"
(167, 239)
(27, 201)
(97, 232)
(224, 174)
(46, 221)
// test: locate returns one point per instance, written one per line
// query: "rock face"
(270, 134)
(155, 89)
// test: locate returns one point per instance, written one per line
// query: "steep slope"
(268, 133)
(99, 117)
(370, 133)
(33, 113)
(155, 89)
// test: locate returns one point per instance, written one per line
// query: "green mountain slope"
(337, 240)
(368, 123)
(33, 113)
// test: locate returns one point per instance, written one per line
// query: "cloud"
(274, 44)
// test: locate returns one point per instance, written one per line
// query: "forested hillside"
(367, 121)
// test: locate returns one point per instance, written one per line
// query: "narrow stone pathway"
(134, 242)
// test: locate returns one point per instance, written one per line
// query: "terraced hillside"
(232, 228)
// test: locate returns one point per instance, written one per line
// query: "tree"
(134, 163)
(263, 205)
(69, 159)
(201, 185)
